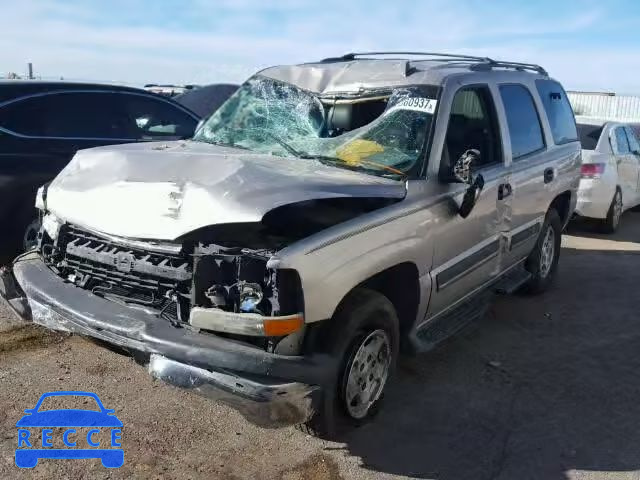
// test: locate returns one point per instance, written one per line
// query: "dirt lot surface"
(545, 387)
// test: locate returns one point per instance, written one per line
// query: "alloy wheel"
(367, 373)
(617, 209)
(547, 252)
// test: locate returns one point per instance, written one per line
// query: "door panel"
(532, 181)
(467, 250)
(466, 253)
(627, 165)
(634, 146)
(532, 172)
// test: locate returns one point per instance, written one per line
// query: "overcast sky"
(587, 44)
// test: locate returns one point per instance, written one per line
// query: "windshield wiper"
(360, 167)
(334, 161)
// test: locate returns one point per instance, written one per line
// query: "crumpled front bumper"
(269, 390)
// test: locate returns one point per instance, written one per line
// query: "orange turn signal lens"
(279, 327)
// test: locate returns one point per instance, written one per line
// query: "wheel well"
(561, 205)
(401, 285)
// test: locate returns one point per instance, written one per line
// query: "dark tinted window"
(622, 146)
(203, 101)
(156, 118)
(472, 125)
(67, 115)
(522, 119)
(634, 144)
(23, 117)
(559, 112)
(589, 135)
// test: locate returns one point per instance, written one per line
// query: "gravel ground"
(543, 387)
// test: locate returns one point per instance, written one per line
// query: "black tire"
(537, 264)
(363, 313)
(30, 236)
(612, 222)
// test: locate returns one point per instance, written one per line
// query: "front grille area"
(160, 281)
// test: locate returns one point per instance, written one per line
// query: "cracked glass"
(272, 117)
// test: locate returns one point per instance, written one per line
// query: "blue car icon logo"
(97, 428)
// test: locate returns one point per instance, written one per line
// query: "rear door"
(543, 138)
(529, 160)
(40, 134)
(627, 166)
(634, 146)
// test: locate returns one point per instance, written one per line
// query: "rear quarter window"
(558, 110)
(23, 117)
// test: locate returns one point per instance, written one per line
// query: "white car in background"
(610, 182)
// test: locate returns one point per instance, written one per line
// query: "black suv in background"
(43, 124)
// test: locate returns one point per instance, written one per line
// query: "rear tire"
(364, 340)
(611, 223)
(542, 262)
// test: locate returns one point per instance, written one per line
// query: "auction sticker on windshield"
(418, 104)
(88, 430)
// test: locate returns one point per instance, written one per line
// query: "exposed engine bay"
(229, 278)
(208, 268)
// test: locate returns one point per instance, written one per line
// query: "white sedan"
(610, 182)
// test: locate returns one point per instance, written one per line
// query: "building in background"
(609, 106)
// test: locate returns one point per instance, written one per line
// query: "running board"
(450, 323)
(512, 281)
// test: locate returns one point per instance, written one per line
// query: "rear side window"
(68, 115)
(634, 145)
(522, 120)
(589, 135)
(558, 110)
(622, 145)
(23, 117)
(84, 115)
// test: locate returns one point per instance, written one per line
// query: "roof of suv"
(353, 73)
(16, 88)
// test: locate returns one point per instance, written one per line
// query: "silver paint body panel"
(149, 192)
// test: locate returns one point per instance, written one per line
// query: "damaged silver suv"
(327, 216)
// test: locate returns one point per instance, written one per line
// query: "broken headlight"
(238, 281)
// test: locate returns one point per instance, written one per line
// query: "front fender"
(330, 273)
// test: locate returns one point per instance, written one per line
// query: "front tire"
(364, 338)
(611, 223)
(542, 262)
(30, 238)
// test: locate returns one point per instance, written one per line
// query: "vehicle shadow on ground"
(628, 231)
(540, 387)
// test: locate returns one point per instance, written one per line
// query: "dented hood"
(164, 190)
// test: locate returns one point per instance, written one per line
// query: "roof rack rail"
(354, 55)
(515, 65)
(480, 62)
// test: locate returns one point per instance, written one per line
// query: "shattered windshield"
(382, 136)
